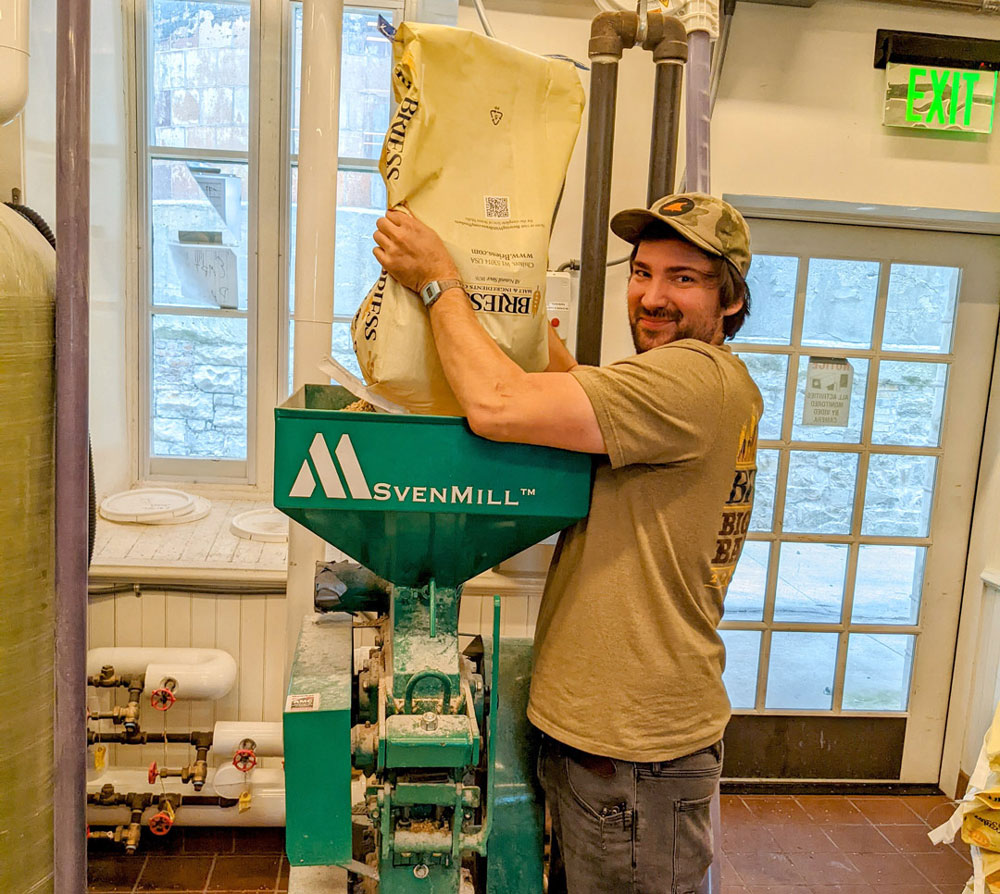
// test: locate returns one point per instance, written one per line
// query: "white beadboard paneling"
(273, 658)
(251, 661)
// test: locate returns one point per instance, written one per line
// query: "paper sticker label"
(308, 702)
(828, 392)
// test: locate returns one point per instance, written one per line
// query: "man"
(627, 681)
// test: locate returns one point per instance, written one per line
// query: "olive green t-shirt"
(628, 662)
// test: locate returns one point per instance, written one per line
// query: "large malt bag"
(477, 149)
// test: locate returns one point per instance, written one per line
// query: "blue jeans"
(628, 828)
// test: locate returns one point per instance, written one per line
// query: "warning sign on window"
(828, 392)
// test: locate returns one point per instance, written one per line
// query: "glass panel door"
(846, 599)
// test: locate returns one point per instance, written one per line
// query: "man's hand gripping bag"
(478, 149)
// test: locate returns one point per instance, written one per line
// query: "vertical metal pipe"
(698, 119)
(597, 193)
(666, 123)
(315, 243)
(71, 472)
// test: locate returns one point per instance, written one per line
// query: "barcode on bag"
(497, 207)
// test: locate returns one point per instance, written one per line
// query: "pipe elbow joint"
(671, 42)
(611, 33)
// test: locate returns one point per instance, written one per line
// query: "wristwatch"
(432, 291)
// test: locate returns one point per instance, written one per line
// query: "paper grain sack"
(478, 149)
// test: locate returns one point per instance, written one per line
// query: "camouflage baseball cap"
(711, 224)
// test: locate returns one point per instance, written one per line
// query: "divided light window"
(199, 286)
(203, 157)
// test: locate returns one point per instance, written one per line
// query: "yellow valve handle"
(100, 757)
(245, 798)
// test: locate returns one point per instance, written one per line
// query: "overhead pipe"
(611, 33)
(71, 441)
(670, 52)
(315, 243)
(197, 673)
(698, 113)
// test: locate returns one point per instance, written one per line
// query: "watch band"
(434, 289)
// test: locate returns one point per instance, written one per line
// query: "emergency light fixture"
(938, 81)
(939, 98)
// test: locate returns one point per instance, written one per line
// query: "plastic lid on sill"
(265, 525)
(149, 504)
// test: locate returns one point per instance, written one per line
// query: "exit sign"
(930, 97)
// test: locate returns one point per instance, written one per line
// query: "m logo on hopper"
(329, 477)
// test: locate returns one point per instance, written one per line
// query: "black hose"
(35, 218)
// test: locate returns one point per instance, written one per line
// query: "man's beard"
(683, 328)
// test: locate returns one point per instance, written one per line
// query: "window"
(824, 610)
(215, 261)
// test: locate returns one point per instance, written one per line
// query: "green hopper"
(415, 498)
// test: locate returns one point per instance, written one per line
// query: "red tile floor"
(771, 844)
(815, 844)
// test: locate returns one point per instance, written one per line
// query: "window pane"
(920, 312)
(810, 582)
(765, 480)
(840, 303)
(800, 672)
(819, 497)
(342, 350)
(360, 202)
(909, 404)
(771, 279)
(745, 596)
(877, 677)
(769, 371)
(849, 434)
(742, 660)
(888, 585)
(365, 83)
(199, 220)
(201, 74)
(199, 387)
(899, 495)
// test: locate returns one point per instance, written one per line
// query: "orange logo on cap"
(676, 207)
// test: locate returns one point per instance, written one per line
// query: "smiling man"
(627, 680)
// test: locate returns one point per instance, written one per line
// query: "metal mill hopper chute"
(416, 498)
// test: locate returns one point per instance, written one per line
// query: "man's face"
(673, 293)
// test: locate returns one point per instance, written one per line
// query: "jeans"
(628, 828)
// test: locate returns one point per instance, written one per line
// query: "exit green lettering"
(912, 94)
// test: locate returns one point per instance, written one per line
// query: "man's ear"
(733, 308)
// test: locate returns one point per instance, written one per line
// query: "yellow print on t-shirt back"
(735, 518)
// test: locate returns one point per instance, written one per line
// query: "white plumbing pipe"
(199, 673)
(267, 737)
(13, 58)
(315, 241)
(267, 802)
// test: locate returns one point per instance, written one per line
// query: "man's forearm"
(480, 374)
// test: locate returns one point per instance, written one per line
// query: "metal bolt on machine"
(440, 732)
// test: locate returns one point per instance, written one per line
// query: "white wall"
(108, 404)
(800, 110)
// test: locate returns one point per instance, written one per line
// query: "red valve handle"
(160, 823)
(244, 760)
(153, 773)
(162, 699)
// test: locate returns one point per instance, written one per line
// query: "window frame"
(269, 174)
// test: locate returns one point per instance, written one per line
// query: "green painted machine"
(440, 733)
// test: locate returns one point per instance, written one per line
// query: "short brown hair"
(732, 285)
